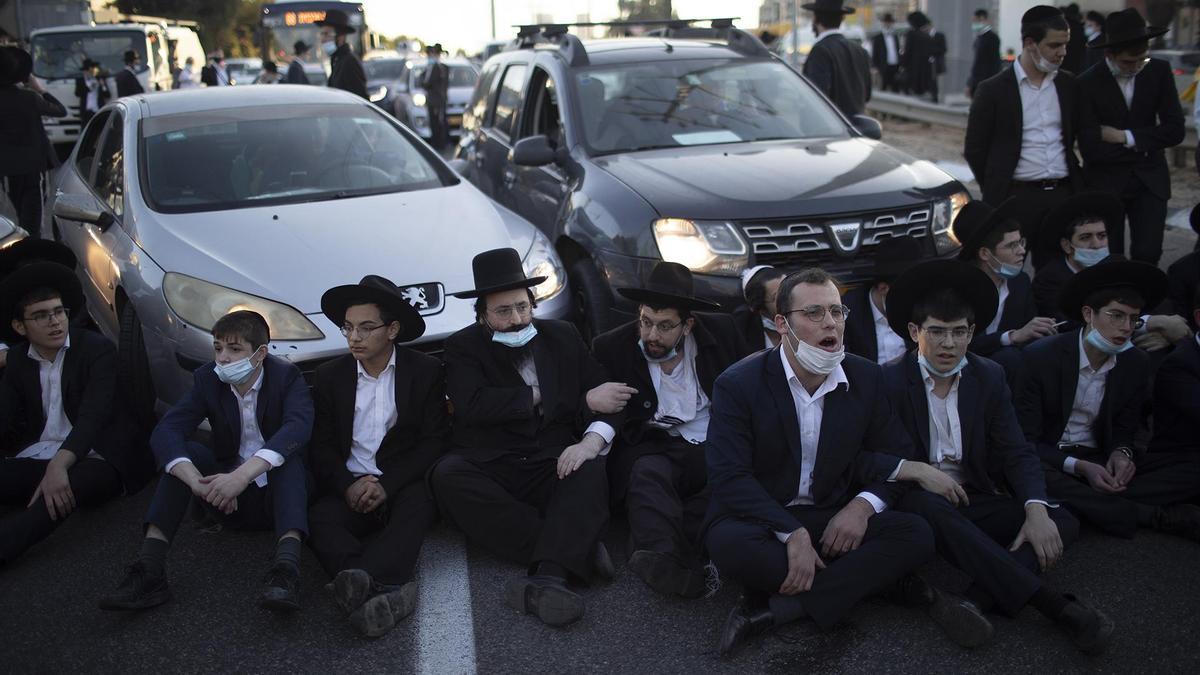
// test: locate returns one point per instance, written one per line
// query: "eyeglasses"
(1118, 318)
(364, 331)
(957, 335)
(662, 326)
(43, 319)
(521, 308)
(816, 313)
(1014, 245)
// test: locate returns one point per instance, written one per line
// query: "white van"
(183, 43)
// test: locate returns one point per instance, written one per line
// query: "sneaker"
(140, 589)
(664, 574)
(281, 589)
(381, 613)
(546, 597)
(351, 588)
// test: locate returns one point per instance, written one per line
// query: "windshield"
(246, 157)
(460, 76)
(698, 102)
(60, 55)
(384, 69)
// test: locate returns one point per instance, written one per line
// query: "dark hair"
(270, 67)
(684, 313)
(1126, 295)
(1128, 48)
(34, 296)
(130, 56)
(945, 304)
(245, 325)
(829, 19)
(1037, 30)
(812, 275)
(1096, 18)
(993, 238)
(481, 303)
(756, 287)
(385, 316)
(1069, 230)
(299, 47)
(981, 13)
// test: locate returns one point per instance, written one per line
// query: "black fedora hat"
(894, 256)
(376, 290)
(32, 276)
(828, 6)
(32, 249)
(976, 220)
(498, 270)
(670, 285)
(1112, 272)
(969, 281)
(1126, 27)
(1101, 205)
(337, 20)
(917, 19)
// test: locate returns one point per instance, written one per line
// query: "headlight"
(708, 247)
(542, 261)
(419, 100)
(201, 303)
(379, 94)
(940, 227)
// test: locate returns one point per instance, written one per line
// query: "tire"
(593, 299)
(134, 382)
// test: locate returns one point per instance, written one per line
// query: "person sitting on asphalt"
(1183, 275)
(1081, 405)
(251, 476)
(525, 478)
(672, 353)
(64, 439)
(27, 251)
(756, 318)
(958, 412)
(867, 331)
(1177, 401)
(381, 423)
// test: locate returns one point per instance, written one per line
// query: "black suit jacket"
(1047, 284)
(994, 128)
(754, 453)
(127, 84)
(986, 62)
(436, 83)
(493, 408)
(1048, 395)
(296, 74)
(1018, 310)
(918, 49)
(346, 72)
(24, 147)
(1183, 280)
(1177, 400)
(1155, 118)
(408, 448)
(102, 92)
(859, 336)
(750, 327)
(996, 457)
(879, 51)
(90, 401)
(1077, 48)
(842, 70)
(937, 49)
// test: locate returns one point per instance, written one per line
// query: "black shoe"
(381, 613)
(140, 589)
(911, 591)
(748, 619)
(281, 589)
(1090, 629)
(1180, 519)
(960, 619)
(664, 574)
(602, 564)
(351, 588)
(546, 597)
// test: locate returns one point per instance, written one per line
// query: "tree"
(230, 25)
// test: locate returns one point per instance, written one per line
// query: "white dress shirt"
(889, 44)
(680, 397)
(1006, 337)
(1042, 154)
(374, 414)
(890, 345)
(528, 371)
(92, 100)
(58, 427)
(1089, 394)
(1126, 84)
(822, 36)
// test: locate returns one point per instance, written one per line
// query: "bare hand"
(1151, 341)
(373, 496)
(845, 531)
(1112, 134)
(932, 480)
(574, 456)
(34, 84)
(1171, 326)
(1121, 468)
(803, 563)
(224, 489)
(55, 489)
(609, 397)
(3, 358)
(1040, 532)
(1098, 477)
(1038, 327)
(357, 490)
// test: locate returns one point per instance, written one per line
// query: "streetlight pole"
(493, 19)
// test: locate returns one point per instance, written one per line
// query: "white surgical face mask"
(518, 338)
(1042, 64)
(814, 359)
(329, 48)
(236, 372)
(934, 372)
(1095, 339)
(1090, 256)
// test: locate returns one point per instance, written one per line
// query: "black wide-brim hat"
(934, 275)
(32, 276)
(1112, 272)
(377, 290)
(337, 19)
(16, 65)
(1102, 205)
(895, 256)
(1126, 27)
(976, 220)
(498, 270)
(828, 6)
(670, 285)
(33, 249)
(917, 19)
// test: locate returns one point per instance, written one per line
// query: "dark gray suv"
(696, 146)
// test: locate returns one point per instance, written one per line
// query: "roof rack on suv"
(530, 35)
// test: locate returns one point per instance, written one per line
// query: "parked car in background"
(243, 70)
(386, 77)
(410, 107)
(1183, 64)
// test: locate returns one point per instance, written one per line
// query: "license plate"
(454, 120)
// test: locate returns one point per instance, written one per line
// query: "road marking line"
(445, 629)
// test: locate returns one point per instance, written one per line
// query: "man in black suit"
(1177, 398)
(1077, 46)
(756, 319)
(1129, 115)
(525, 478)
(917, 56)
(986, 61)
(25, 151)
(937, 61)
(672, 353)
(126, 79)
(839, 68)
(958, 412)
(295, 71)
(381, 422)
(345, 70)
(1082, 402)
(1093, 31)
(28, 251)
(64, 440)
(867, 331)
(1079, 227)
(1183, 276)
(251, 476)
(436, 83)
(92, 91)
(1021, 128)
(214, 74)
(885, 53)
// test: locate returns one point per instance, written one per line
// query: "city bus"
(283, 23)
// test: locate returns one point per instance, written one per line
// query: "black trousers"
(384, 542)
(516, 507)
(1162, 479)
(887, 78)
(438, 132)
(666, 501)
(975, 539)
(25, 193)
(895, 544)
(282, 504)
(1030, 208)
(1147, 216)
(93, 481)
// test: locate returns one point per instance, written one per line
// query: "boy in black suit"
(1177, 399)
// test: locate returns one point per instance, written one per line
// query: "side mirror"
(867, 126)
(532, 151)
(82, 209)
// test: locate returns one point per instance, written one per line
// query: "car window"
(509, 99)
(541, 109)
(60, 55)
(458, 75)
(109, 182)
(86, 157)
(483, 90)
(385, 69)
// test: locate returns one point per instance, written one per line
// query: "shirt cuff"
(892, 477)
(3, 347)
(172, 463)
(605, 431)
(875, 502)
(1069, 465)
(783, 537)
(1129, 142)
(1006, 338)
(1040, 501)
(270, 457)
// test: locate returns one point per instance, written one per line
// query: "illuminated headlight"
(379, 94)
(201, 303)
(944, 213)
(706, 247)
(419, 100)
(542, 261)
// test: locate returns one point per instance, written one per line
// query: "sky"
(467, 23)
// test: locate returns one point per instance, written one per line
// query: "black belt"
(1046, 184)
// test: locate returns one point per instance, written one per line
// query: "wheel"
(593, 300)
(136, 386)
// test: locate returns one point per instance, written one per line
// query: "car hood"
(775, 179)
(293, 253)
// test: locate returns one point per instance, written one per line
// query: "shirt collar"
(33, 352)
(254, 388)
(929, 381)
(879, 317)
(831, 31)
(835, 378)
(391, 364)
(1022, 75)
(1085, 364)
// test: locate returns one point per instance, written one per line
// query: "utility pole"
(493, 19)
(794, 57)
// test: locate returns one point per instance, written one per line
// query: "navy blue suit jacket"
(284, 414)
(996, 457)
(1019, 309)
(1177, 400)
(753, 448)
